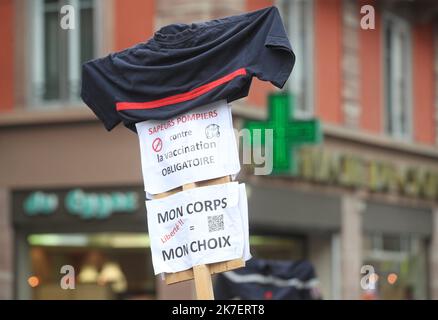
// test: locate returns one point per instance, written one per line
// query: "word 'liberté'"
(172, 233)
(190, 208)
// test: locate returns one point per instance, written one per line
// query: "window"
(277, 247)
(57, 53)
(298, 19)
(400, 262)
(397, 68)
(107, 265)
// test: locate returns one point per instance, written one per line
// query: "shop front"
(367, 208)
(278, 207)
(100, 232)
(395, 196)
(397, 244)
(101, 235)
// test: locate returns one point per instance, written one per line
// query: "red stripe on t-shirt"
(181, 97)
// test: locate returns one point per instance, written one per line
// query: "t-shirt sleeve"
(98, 90)
(271, 57)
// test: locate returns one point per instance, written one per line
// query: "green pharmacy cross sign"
(288, 134)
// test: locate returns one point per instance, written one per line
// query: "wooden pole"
(203, 284)
(201, 273)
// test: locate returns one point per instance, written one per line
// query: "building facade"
(70, 192)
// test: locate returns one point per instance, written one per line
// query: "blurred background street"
(366, 194)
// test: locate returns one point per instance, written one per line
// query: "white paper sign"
(198, 226)
(195, 146)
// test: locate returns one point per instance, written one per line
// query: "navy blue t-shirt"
(186, 66)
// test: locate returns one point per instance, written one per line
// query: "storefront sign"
(87, 205)
(288, 134)
(195, 146)
(39, 202)
(352, 170)
(198, 226)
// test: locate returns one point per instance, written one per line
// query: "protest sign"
(194, 146)
(198, 226)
